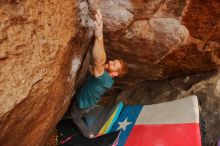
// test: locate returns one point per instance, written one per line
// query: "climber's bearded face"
(113, 67)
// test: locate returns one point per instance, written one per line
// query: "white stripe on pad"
(183, 110)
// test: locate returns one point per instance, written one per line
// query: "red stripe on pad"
(165, 135)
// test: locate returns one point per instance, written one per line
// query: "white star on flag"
(124, 124)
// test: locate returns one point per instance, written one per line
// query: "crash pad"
(111, 118)
(174, 123)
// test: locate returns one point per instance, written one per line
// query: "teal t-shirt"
(91, 92)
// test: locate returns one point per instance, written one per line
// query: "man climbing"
(100, 79)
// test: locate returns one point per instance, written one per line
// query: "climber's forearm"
(98, 52)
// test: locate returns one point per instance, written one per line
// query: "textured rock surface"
(162, 38)
(205, 86)
(39, 58)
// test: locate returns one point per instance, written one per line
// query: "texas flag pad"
(174, 123)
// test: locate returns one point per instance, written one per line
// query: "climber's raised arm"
(98, 51)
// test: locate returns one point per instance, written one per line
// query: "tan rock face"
(116, 14)
(162, 38)
(39, 58)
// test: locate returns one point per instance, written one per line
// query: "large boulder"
(160, 39)
(42, 46)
